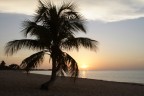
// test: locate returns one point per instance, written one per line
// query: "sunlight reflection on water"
(120, 76)
(83, 74)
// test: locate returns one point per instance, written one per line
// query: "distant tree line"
(3, 66)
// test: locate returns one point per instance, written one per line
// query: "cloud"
(112, 10)
(18, 6)
(103, 10)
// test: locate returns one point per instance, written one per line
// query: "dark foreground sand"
(13, 83)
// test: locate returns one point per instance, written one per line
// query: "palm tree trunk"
(47, 84)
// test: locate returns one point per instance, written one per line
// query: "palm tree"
(53, 30)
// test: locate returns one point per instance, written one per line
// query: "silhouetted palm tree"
(3, 65)
(53, 28)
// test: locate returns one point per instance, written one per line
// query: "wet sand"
(14, 83)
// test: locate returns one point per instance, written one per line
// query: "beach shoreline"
(17, 83)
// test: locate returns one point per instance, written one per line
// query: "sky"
(118, 26)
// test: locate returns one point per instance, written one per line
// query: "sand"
(14, 83)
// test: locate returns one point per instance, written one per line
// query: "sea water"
(136, 76)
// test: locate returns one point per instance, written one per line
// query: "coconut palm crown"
(53, 29)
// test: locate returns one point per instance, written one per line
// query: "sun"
(83, 66)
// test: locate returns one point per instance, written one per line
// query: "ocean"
(136, 76)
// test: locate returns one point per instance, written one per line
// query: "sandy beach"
(14, 83)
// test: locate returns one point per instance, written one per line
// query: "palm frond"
(77, 25)
(72, 65)
(41, 12)
(32, 61)
(33, 29)
(72, 25)
(15, 45)
(71, 43)
(66, 64)
(69, 6)
(71, 19)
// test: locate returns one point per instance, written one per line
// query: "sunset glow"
(84, 66)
